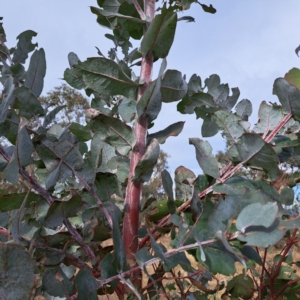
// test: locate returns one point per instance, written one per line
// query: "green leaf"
(144, 168)
(183, 190)
(56, 283)
(287, 196)
(256, 214)
(268, 118)
(293, 77)
(86, 285)
(52, 178)
(120, 165)
(107, 185)
(101, 154)
(241, 286)
(244, 109)
(119, 248)
(209, 126)
(74, 79)
(114, 132)
(160, 34)
(80, 131)
(105, 77)
(16, 272)
(205, 158)
(8, 98)
(28, 105)
(256, 152)
(150, 102)
(60, 210)
(172, 130)
(127, 110)
(13, 201)
(173, 86)
(51, 115)
(24, 46)
(289, 97)
(209, 9)
(34, 77)
(167, 183)
(219, 260)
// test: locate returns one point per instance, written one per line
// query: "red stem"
(134, 188)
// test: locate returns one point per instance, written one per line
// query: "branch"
(33, 183)
(228, 172)
(78, 239)
(139, 9)
(155, 260)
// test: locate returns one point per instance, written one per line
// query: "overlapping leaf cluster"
(77, 175)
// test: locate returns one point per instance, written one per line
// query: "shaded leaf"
(144, 168)
(86, 285)
(183, 190)
(29, 106)
(24, 46)
(205, 158)
(107, 185)
(209, 9)
(172, 130)
(8, 98)
(34, 77)
(51, 115)
(167, 183)
(244, 109)
(289, 97)
(150, 102)
(173, 86)
(256, 152)
(16, 272)
(241, 286)
(56, 283)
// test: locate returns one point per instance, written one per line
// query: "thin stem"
(79, 239)
(156, 260)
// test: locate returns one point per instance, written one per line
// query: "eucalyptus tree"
(56, 236)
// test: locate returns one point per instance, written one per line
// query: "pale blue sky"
(248, 43)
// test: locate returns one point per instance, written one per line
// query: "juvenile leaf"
(289, 97)
(86, 285)
(172, 130)
(205, 158)
(230, 124)
(293, 77)
(24, 46)
(114, 132)
(127, 110)
(256, 152)
(160, 34)
(244, 109)
(29, 106)
(118, 243)
(34, 77)
(105, 77)
(82, 132)
(173, 86)
(209, 9)
(74, 79)
(268, 118)
(16, 272)
(209, 127)
(287, 196)
(257, 215)
(107, 185)
(62, 209)
(167, 183)
(241, 286)
(183, 189)
(144, 168)
(73, 59)
(150, 102)
(56, 283)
